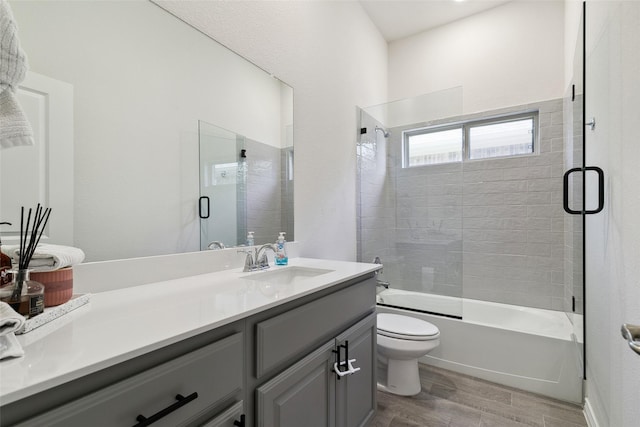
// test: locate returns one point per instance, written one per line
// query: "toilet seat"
(406, 328)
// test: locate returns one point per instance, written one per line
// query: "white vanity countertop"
(119, 325)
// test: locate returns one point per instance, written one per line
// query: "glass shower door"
(222, 201)
(410, 216)
(573, 120)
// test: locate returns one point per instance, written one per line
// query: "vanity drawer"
(229, 418)
(288, 336)
(214, 372)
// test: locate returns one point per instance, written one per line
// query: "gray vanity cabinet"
(311, 394)
(275, 368)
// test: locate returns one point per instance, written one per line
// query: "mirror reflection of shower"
(248, 185)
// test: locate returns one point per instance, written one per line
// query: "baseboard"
(589, 415)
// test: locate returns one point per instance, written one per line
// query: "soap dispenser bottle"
(281, 250)
(250, 240)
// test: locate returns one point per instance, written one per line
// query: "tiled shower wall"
(483, 229)
(513, 238)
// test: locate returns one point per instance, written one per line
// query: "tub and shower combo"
(473, 238)
(526, 348)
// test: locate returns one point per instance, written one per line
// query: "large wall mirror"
(120, 90)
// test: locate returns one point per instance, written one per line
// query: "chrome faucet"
(215, 245)
(261, 255)
(257, 260)
(248, 261)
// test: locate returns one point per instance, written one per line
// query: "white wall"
(613, 236)
(572, 31)
(335, 59)
(509, 55)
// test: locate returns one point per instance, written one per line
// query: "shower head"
(385, 132)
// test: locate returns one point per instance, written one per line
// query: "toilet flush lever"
(631, 333)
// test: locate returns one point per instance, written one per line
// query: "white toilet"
(401, 341)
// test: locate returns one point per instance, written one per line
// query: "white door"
(612, 250)
(42, 173)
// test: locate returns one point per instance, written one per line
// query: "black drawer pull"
(240, 423)
(181, 401)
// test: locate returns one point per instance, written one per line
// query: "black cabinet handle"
(565, 190)
(200, 200)
(346, 353)
(340, 365)
(240, 423)
(181, 401)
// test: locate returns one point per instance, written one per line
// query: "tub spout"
(383, 284)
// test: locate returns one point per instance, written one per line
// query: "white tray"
(52, 313)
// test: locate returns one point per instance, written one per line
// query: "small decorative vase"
(23, 295)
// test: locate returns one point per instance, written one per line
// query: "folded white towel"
(14, 126)
(48, 257)
(10, 347)
(10, 322)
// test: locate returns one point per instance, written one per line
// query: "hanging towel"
(48, 257)
(10, 323)
(15, 129)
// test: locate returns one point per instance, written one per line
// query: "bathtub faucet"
(379, 282)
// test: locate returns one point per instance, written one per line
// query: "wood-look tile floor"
(449, 399)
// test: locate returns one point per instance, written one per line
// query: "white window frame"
(466, 129)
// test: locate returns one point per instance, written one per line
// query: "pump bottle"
(281, 250)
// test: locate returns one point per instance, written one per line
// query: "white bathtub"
(526, 348)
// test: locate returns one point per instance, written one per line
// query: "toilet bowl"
(401, 341)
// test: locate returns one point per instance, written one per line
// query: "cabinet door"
(303, 395)
(356, 393)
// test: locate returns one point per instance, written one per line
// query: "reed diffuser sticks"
(29, 240)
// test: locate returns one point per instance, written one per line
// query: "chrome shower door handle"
(631, 333)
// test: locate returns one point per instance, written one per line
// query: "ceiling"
(397, 19)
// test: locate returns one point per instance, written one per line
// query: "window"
(504, 136)
(500, 139)
(433, 147)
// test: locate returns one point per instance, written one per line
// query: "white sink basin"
(286, 275)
